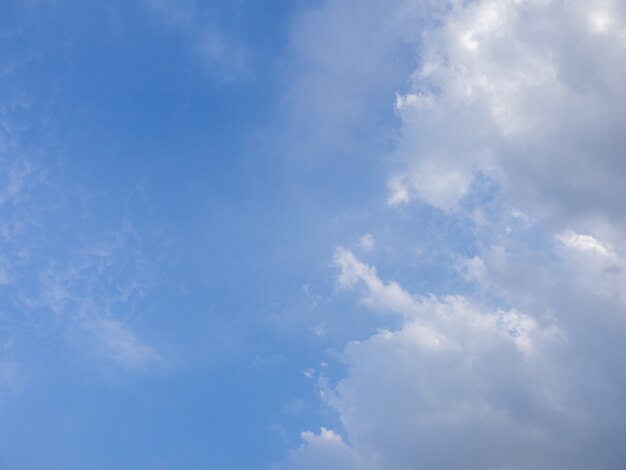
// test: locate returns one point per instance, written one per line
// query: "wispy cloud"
(63, 282)
(112, 340)
(224, 55)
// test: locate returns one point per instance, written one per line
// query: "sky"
(302, 235)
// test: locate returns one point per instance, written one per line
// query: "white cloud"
(515, 99)
(454, 375)
(367, 242)
(505, 389)
(585, 243)
(324, 450)
(524, 370)
(112, 340)
(380, 295)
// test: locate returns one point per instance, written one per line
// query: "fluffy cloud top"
(528, 92)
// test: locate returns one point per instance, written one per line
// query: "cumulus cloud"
(501, 387)
(528, 92)
(380, 295)
(324, 450)
(522, 371)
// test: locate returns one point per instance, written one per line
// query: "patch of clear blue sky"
(191, 173)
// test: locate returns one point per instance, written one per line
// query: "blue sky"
(312, 235)
(148, 167)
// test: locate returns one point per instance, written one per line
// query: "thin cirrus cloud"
(78, 285)
(225, 56)
(522, 370)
